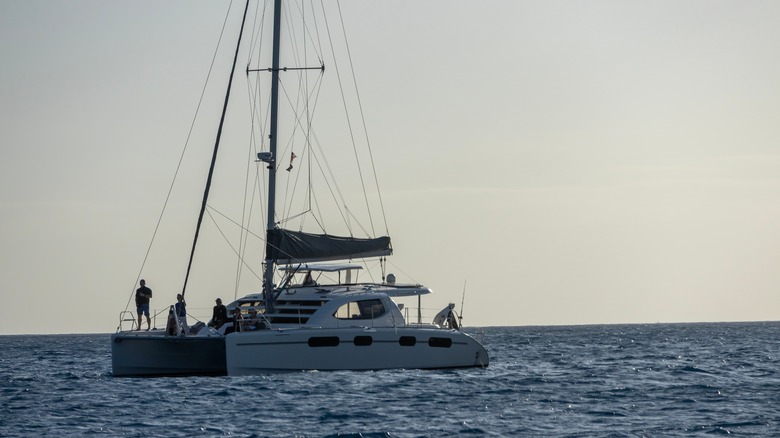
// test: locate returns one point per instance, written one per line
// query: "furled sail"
(285, 246)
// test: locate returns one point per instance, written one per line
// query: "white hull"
(310, 315)
(352, 348)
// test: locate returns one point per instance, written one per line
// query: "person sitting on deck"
(238, 321)
(219, 317)
(254, 321)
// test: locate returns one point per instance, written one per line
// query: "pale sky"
(572, 162)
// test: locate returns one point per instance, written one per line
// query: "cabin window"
(324, 341)
(440, 342)
(365, 309)
(363, 341)
(407, 341)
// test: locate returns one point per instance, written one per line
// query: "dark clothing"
(220, 316)
(238, 321)
(181, 309)
(142, 295)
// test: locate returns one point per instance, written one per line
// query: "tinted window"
(407, 341)
(324, 341)
(363, 340)
(440, 342)
(365, 309)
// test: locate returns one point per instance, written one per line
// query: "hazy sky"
(573, 162)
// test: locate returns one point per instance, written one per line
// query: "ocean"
(579, 381)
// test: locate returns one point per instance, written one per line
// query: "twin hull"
(351, 349)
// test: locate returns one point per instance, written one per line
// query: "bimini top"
(319, 267)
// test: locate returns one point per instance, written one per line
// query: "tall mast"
(268, 278)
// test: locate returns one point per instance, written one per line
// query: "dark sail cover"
(287, 246)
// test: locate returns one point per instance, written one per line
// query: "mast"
(214, 155)
(268, 278)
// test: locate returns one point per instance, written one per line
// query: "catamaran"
(312, 312)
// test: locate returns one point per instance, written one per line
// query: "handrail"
(122, 319)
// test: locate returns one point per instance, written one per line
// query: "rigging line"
(255, 93)
(290, 195)
(357, 221)
(462, 300)
(252, 38)
(255, 96)
(252, 148)
(244, 220)
(309, 150)
(337, 194)
(315, 93)
(318, 216)
(256, 186)
(349, 122)
(317, 28)
(262, 182)
(294, 217)
(251, 210)
(232, 247)
(257, 40)
(316, 89)
(210, 209)
(301, 42)
(288, 145)
(226, 217)
(306, 129)
(181, 156)
(370, 269)
(252, 136)
(248, 232)
(307, 33)
(363, 118)
(323, 155)
(214, 155)
(333, 189)
(256, 117)
(342, 208)
(294, 39)
(402, 271)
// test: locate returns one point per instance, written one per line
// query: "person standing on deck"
(142, 296)
(181, 312)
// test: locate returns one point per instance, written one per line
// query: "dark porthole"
(362, 341)
(324, 341)
(407, 341)
(440, 342)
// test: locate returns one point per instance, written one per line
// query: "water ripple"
(632, 380)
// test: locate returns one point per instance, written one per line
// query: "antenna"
(462, 300)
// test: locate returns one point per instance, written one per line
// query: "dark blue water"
(617, 380)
